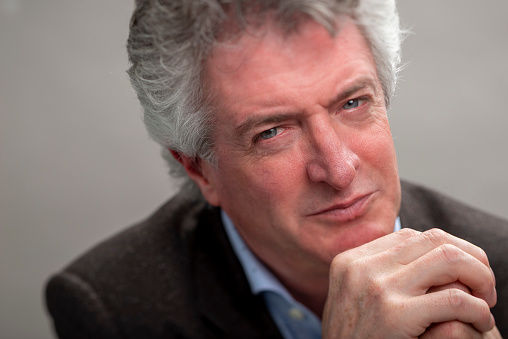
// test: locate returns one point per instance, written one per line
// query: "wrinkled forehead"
(256, 72)
(235, 50)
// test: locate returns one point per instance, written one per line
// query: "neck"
(311, 292)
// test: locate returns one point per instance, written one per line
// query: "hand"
(379, 290)
(456, 329)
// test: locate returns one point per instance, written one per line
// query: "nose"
(330, 158)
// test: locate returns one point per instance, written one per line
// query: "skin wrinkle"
(253, 121)
(325, 154)
(214, 23)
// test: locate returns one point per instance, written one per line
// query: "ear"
(198, 171)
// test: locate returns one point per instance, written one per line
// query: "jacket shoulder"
(80, 312)
(115, 287)
(423, 208)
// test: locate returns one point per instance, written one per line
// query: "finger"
(447, 264)
(384, 243)
(414, 247)
(456, 329)
(456, 284)
(451, 305)
(451, 330)
(493, 334)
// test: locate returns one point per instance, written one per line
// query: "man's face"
(307, 166)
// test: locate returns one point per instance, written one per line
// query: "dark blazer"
(175, 275)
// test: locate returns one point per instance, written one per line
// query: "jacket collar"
(226, 303)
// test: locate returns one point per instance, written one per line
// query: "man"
(276, 112)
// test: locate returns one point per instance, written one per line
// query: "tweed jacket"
(175, 275)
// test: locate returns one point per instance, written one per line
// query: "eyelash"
(352, 101)
(259, 136)
(359, 101)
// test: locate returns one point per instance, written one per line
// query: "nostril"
(316, 172)
(338, 172)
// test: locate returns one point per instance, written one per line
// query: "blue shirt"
(293, 319)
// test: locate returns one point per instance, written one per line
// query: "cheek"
(268, 180)
(275, 180)
(376, 147)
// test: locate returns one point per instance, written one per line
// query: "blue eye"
(353, 103)
(270, 133)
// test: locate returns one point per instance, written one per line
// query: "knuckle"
(335, 266)
(340, 262)
(461, 302)
(408, 232)
(482, 255)
(484, 312)
(490, 284)
(456, 298)
(450, 254)
(358, 274)
(455, 330)
(435, 236)
(346, 266)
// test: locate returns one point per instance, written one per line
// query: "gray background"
(76, 164)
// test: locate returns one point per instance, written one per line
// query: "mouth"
(346, 211)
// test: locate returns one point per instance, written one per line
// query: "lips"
(345, 211)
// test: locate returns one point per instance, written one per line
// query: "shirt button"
(296, 314)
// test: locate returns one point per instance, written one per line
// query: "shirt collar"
(258, 275)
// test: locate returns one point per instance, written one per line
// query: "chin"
(361, 234)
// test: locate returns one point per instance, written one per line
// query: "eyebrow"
(357, 85)
(253, 121)
(259, 121)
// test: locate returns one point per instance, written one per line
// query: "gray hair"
(169, 41)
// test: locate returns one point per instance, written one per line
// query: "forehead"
(265, 65)
(262, 37)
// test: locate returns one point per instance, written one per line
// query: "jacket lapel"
(412, 212)
(226, 304)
